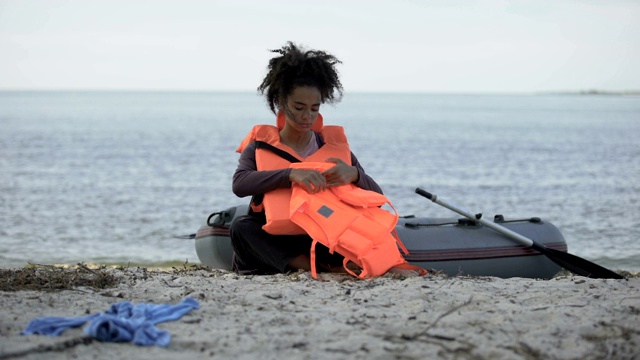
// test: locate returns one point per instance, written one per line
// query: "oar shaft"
(501, 229)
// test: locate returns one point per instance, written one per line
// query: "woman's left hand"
(341, 174)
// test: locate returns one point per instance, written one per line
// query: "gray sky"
(385, 45)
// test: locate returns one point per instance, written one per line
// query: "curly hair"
(297, 67)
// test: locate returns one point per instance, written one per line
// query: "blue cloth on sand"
(123, 322)
(54, 326)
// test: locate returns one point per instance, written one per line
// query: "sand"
(293, 316)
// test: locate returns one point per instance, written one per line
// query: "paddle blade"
(577, 265)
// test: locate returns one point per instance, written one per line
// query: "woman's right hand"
(313, 181)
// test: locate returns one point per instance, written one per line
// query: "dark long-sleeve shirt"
(248, 181)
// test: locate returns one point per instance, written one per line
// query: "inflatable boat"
(449, 245)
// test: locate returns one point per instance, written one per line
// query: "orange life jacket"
(276, 203)
(351, 221)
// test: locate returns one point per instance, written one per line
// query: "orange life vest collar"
(271, 134)
(276, 203)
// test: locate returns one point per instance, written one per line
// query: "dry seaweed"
(56, 278)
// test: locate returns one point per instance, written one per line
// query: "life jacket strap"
(312, 256)
(283, 154)
(256, 201)
(345, 262)
(399, 242)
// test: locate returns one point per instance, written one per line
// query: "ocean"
(114, 177)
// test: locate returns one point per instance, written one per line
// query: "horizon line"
(593, 91)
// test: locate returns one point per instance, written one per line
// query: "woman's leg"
(258, 252)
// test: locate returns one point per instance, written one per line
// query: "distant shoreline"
(594, 92)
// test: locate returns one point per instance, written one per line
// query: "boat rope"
(467, 222)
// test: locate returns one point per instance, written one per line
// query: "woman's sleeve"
(248, 181)
(364, 181)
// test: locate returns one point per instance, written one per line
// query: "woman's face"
(302, 108)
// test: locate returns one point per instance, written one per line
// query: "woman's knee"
(243, 225)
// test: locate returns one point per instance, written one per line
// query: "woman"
(297, 84)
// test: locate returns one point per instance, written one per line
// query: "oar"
(575, 264)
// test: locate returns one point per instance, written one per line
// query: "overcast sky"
(385, 45)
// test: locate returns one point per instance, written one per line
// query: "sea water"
(113, 177)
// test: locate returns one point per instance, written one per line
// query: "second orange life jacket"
(351, 221)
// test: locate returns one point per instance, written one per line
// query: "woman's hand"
(312, 180)
(341, 174)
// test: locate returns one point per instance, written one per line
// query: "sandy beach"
(293, 316)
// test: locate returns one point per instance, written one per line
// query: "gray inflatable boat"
(452, 246)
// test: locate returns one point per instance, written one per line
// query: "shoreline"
(339, 317)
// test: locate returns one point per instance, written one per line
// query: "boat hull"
(451, 246)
